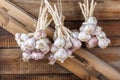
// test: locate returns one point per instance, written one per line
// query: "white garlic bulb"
(61, 55)
(69, 51)
(17, 36)
(37, 55)
(75, 34)
(59, 42)
(30, 44)
(93, 42)
(101, 35)
(53, 49)
(45, 50)
(84, 36)
(89, 28)
(76, 43)
(92, 20)
(41, 44)
(26, 56)
(103, 43)
(97, 30)
(68, 43)
(24, 37)
(51, 59)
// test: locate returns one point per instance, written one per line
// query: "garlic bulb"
(92, 42)
(84, 36)
(30, 44)
(46, 49)
(76, 43)
(51, 59)
(97, 30)
(61, 55)
(75, 34)
(68, 43)
(41, 44)
(92, 20)
(47, 41)
(26, 56)
(59, 42)
(69, 51)
(24, 37)
(103, 43)
(101, 35)
(40, 34)
(37, 55)
(17, 36)
(53, 49)
(89, 28)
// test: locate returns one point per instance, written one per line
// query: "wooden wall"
(12, 68)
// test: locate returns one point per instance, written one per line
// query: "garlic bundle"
(65, 41)
(35, 45)
(90, 33)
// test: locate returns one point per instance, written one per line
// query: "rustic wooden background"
(12, 68)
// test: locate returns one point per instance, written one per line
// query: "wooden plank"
(40, 77)
(10, 64)
(98, 64)
(11, 24)
(11, 56)
(105, 10)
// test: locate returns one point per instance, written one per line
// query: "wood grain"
(105, 10)
(40, 77)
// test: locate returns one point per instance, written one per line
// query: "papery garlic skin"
(53, 49)
(40, 34)
(24, 37)
(61, 55)
(103, 43)
(59, 42)
(101, 35)
(89, 28)
(51, 59)
(97, 30)
(93, 42)
(76, 43)
(75, 34)
(26, 56)
(84, 36)
(45, 50)
(92, 20)
(68, 43)
(37, 55)
(17, 36)
(30, 44)
(41, 44)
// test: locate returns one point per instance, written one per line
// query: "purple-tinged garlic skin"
(61, 55)
(40, 34)
(69, 51)
(93, 42)
(76, 43)
(103, 43)
(51, 59)
(59, 42)
(36, 55)
(26, 56)
(84, 37)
